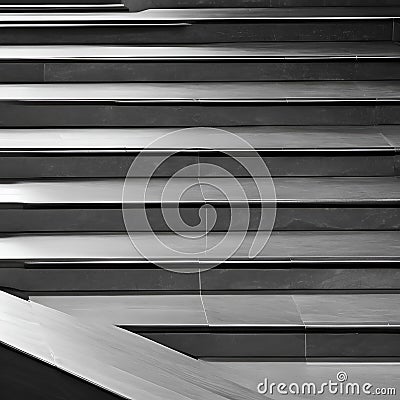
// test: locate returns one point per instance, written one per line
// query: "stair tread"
(266, 13)
(289, 50)
(60, 6)
(241, 310)
(260, 137)
(344, 190)
(313, 246)
(89, 8)
(211, 14)
(148, 4)
(193, 92)
(306, 190)
(393, 136)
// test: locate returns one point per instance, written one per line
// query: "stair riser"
(117, 166)
(198, 71)
(54, 114)
(351, 346)
(274, 345)
(290, 218)
(328, 164)
(300, 277)
(136, 5)
(323, 30)
(82, 279)
(396, 30)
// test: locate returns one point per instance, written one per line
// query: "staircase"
(310, 90)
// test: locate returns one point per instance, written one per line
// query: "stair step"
(240, 62)
(200, 104)
(186, 26)
(330, 246)
(250, 326)
(303, 204)
(232, 311)
(287, 151)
